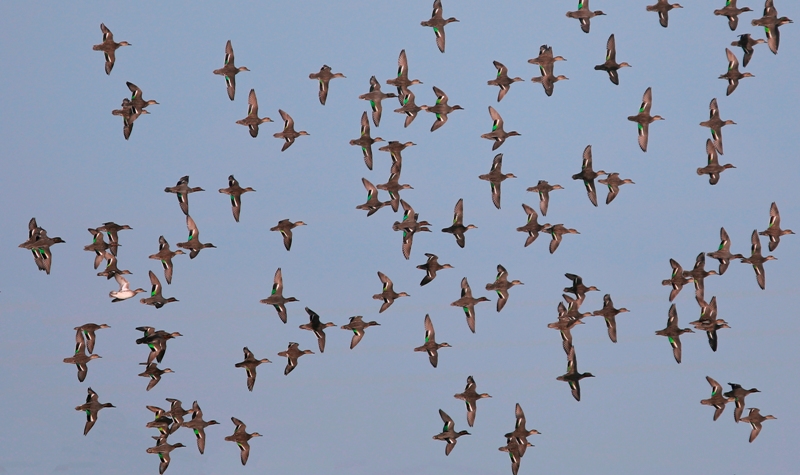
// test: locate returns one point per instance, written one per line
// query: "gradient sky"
(374, 409)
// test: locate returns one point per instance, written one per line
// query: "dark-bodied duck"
(448, 433)
(544, 188)
(733, 75)
(738, 393)
(177, 412)
(242, 438)
(713, 168)
(470, 396)
(410, 225)
(401, 81)
(285, 227)
(365, 141)
(154, 373)
(198, 426)
(771, 22)
(532, 226)
(757, 260)
(578, 288)
(673, 333)
(584, 15)
(163, 449)
(431, 267)
(521, 433)
(137, 102)
(677, 281)
(546, 60)
(717, 399)
(437, 22)
(156, 341)
(375, 96)
(393, 186)
(289, 134)
(156, 299)
(467, 302)
(746, 42)
(564, 325)
(111, 229)
(611, 66)
(324, 77)
(124, 291)
(193, 243)
(708, 321)
(409, 107)
(663, 7)
(548, 81)
(182, 190)
(502, 80)
(441, 108)
(556, 232)
(458, 229)
(109, 47)
(91, 408)
(229, 70)
(88, 329)
(98, 246)
(613, 182)
(732, 12)
(129, 116)
(80, 358)
(358, 326)
(495, 177)
(723, 253)
(276, 298)
(513, 449)
(292, 353)
(699, 274)
(501, 285)
(39, 245)
(754, 418)
(235, 192)
(252, 121)
(388, 295)
(111, 269)
(498, 134)
(716, 124)
(165, 256)
(250, 364)
(161, 420)
(573, 376)
(609, 314)
(588, 175)
(774, 230)
(373, 204)
(430, 346)
(315, 325)
(644, 119)
(395, 149)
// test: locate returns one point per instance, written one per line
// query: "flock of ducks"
(569, 313)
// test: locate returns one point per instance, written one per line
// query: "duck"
(470, 396)
(109, 47)
(365, 141)
(717, 399)
(177, 412)
(182, 190)
(556, 232)
(324, 77)
(410, 225)
(358, 326)
(520, 434)
(409, 107)
(532, 226)
(431, 267)
(154, 373)
(165, 255)
(316, 326)
(235, 192)
(124, 291)
(738, 393)
(430, 346)
(578, 288)
(80, 358)
(373, 204)
(198, 426)
(584, 14)
(564, 325)
(771, 22)
(292, 353)
(375, 96)
(250, 364)
(609, 314)
(548, 82)
(193, 243)
(441, 108)
(39, 245)
(401, 81)
(467, 302)
(156, 341)
(713, 169)
(502, 80)
(437, 22)
(543, 188)
(723, 253)
(673, 333)
(163, 449)
(747, 43)
(395, 149)
(708, 321)
(156, 299)
(754, 418)
(242, 438)
(129, 116)
(91, 408)
(513, 449)
(588, 175)
(388, 295)
(137, 103)
(276, 298)
(699, 274)
(498, 134)
(393, 186)
(611, 66)
(757, 260)
(573, 376)
(98, 246)
(111, 269)
(644, 119)
(448, 433)
(111, 229)
(677, 281)
(495, 177)
(733, 75)
(458, 229)
(716, 124)
(732, 12)
(229, 70)
(663, 7)
(289, 134)
(252, 121)
(285, 227)
(88, 330)
(774, 230)
(546, 60)
(501, 285)
(613, 182)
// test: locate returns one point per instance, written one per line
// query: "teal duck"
(154, 373)
(235, 192)
(198, 426)
(410, 225)
(613, 182)
(388, 295)
(91, 408)
(609, 314)
(757, 260)
(716, 124)
(315, 325)
(441, 108)
(470, 396)
(161, 421)
(546, 60)
(285, 227)
(723, 253)
(165, 255)
(111, 229)
(573, 307)
(324, 77)
(276, 298)
(713, 169)
(437, 22)
(611, 66)
(80, 358)
(88, 329)
(98, 246)
(732, 12)
(129, 116)
(699, 274)
(673, 333)
(182, 190)
(373, 204)
(250, 364)
(556, 232)
(564, 325)
(532, 226)
(544, 189)
(430, 346)
(365, 141)
(395, 149)
(717, 399)
(677, 281)
(409, 107)
(513, 449)
(733, 75)
(520, 434)
(252, 121)
(458, 229)
(448, 433)
(292, 353)
(193, 243)
(746, 42)
(708, 321)
(578, 288)
(124, 291)
(501, 285)
(774, 230)
(573, 376)
(401, 81)
(467, 302)
(109, 47)
(495, 177)
(588, 175)
(771, 22)
(111, 269)
(548, 82)
(177, 412)
(431, 267)
(584, 15)
(644, 119)
(498, 134)
(242, 438)
(137, 103)
(358, 326)
(393, 186)
(156, 299)
(738, 393)
(754, 418)
(163, 449)
(288, 134)
(229, 70)
(663, 7)
(375, 96)
(156, 341)
(39, 245)
(502, 80)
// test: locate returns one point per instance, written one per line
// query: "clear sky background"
(374, 409)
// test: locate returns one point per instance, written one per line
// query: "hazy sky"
(374, 409)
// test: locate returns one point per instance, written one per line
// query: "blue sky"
(374, 408)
